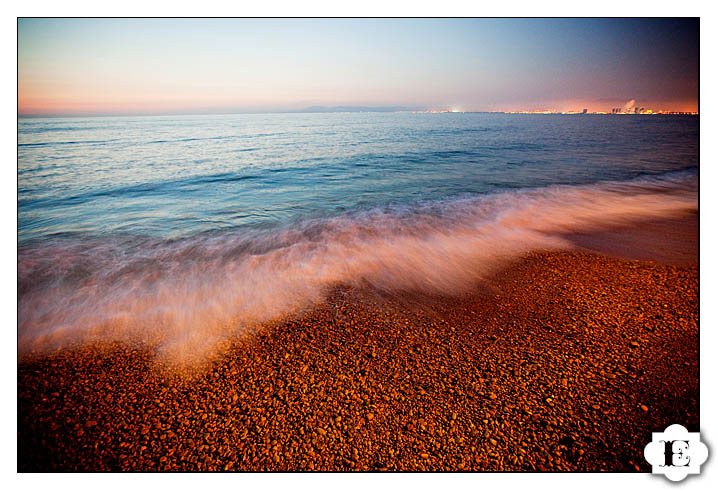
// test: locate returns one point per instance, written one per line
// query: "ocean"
(181, 231)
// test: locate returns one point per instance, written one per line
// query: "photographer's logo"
(676, 453)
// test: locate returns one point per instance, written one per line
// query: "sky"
(186, 66)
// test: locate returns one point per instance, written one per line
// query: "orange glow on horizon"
(73, 104)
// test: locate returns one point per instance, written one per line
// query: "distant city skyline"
(188, 66)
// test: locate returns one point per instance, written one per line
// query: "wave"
(165, 187)
(185, 297)
(55, 143)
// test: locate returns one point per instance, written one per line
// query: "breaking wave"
(184, 297)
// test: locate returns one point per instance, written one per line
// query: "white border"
(367, 8)
(8, 190)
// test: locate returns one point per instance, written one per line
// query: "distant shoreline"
(61, 116)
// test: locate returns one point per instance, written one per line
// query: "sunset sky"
(161, 66)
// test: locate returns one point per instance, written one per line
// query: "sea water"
(180, 231)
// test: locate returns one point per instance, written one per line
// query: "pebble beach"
(357, 245)
(565, 361)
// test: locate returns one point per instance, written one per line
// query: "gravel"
(568, 361)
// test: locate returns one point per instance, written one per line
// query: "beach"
(564, 361)
(357, 245)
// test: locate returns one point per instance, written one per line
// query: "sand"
(567, 361)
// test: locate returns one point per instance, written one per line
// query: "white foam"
(186, 297)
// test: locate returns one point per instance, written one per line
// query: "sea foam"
(184, 297)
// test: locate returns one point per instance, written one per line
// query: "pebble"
(433, 388)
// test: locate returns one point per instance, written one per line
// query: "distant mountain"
(356, 109)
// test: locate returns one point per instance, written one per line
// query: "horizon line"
(662, 112)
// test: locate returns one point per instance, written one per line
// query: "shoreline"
(567, 363)
(672, 240)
